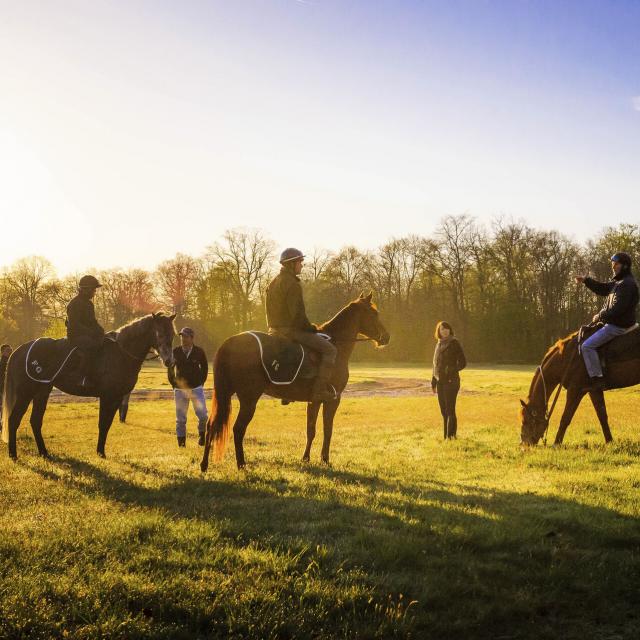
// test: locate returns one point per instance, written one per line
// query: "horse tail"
(218, 425)
(9, 395)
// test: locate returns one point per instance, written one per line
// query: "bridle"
(138, 358)
(548, 411)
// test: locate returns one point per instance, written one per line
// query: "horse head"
(164, 332)
(369, 321)
(533, 423)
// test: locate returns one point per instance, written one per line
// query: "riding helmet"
(290, 254)
(623, 258)
(89, 282)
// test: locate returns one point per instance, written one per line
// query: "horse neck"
(546, 378)
(137, 343)
(343, 328)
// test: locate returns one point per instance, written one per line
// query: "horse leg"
(37, 414)
(328, 413)
(597, 399)
(245, 415)
(574, 396)
(108, 408)
(313, 408)
(19, 409)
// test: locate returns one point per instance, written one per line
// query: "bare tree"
(243, 257)
(176, 280)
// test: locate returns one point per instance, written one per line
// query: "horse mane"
(340, 315)
(558, 346)
(138, 326)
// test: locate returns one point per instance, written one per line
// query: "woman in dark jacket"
(448, 361)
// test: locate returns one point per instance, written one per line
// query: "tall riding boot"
(321, 392)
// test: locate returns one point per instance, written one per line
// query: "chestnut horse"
(237, 368)
(563, 367)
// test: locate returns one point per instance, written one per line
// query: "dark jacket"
(82, 326)
(450, 362)
(188, 372)
(3, 370)
(285, 305)
(622, 299)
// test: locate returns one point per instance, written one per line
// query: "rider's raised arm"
(601, 288)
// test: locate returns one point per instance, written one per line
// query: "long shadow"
(510, 559)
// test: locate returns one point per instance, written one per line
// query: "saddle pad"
(282, 359)
(46, 358)
(623, 348)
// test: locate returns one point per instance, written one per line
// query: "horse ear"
(154, 315)
(523, 403)
(361, 296)
(172, 317)
(369, 297)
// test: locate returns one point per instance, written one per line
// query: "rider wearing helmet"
(618, 313)
(286, 316)
(83, 330)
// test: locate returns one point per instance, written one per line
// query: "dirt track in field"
(382, 387)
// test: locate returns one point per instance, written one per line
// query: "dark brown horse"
(116, 374)
(564, 366)
(237, 369)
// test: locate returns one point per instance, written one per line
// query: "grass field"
(404, 536)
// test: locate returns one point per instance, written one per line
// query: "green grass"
(404, 536)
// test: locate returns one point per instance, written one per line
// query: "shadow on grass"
(479, 563)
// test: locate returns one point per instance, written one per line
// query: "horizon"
(130, 133)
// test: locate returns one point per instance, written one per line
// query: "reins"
(548, 412)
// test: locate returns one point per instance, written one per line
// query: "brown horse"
(563, 366)
(238, 369)
(119, 365)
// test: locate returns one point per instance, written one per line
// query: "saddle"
(620, 349)
(285, 361)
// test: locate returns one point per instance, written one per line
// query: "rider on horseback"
(286, 316)
(618, 313)
(83, 330)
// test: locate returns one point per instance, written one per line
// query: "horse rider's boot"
(597, 383)
(321, 391)
(182, 441)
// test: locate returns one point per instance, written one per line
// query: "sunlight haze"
(130, 131)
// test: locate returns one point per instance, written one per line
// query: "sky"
(131, 130)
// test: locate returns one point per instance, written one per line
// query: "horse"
(120, 362)
(563, 367)
(237, 368)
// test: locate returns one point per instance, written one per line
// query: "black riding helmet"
(623, 258)
(89, 282)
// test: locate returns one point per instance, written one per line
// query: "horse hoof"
(306, 459)
(203, 467)
(45, 455)
(242, 467)
(102, 454)
(325, 462)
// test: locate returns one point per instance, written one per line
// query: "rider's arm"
(601, 288)
(297, 311)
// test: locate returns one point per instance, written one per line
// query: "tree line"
(507, 289)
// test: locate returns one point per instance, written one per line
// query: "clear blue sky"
(323, 122)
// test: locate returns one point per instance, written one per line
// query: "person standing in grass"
(187, 377)
(448, 361)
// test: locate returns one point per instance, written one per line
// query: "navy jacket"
(622, 299)
(188, 372)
